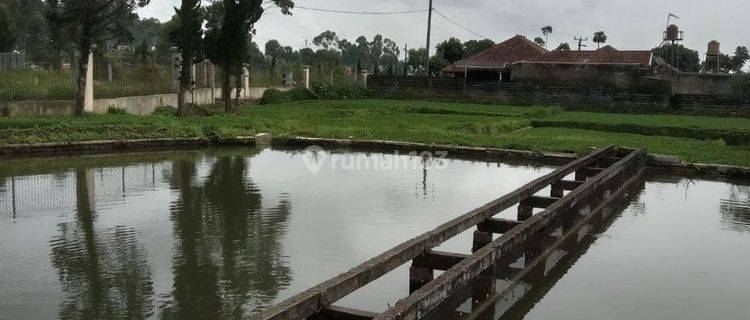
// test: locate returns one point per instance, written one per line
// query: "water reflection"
(228, 260)
(735, 209)
(104, 273)
(205, 235)
(490, 297)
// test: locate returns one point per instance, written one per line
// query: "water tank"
(673, 33)
(714, 48)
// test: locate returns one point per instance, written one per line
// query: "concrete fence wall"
(139, 105)
(574, 97)
(710, 84)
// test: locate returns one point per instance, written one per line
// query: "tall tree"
(451, 50)
(31, 32)
(473, 47)
(56, 37)
(230, 22)
(391, 52)
(546, 31)
(416, 58)
(91, 22)
(600, 37)
(563, 47)
(273, 50)
(7, 30)
(722, 63)
(188, 38)
(326, 40)
(363, 52)
(739, 58)
(540, 41)
(679, 56)
(376, 51)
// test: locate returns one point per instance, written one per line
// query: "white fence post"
(213, 83)
(364, 78)
(246, 81)
(88, 97)
(306, 76)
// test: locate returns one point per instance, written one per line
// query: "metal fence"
(121, 79)
(12, 61)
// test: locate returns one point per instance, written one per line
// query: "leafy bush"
(165, 111)
(325, 92)
(116, 110)
(731, 137)
(273, 96)
(319, 91)
(300, 93)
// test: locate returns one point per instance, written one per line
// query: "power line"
(360, 12)
(458, 24)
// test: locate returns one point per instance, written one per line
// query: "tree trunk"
(226, 89)
(181, 107)
(186, 83)
(83, 62)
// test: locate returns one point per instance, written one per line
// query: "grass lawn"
(415, 121)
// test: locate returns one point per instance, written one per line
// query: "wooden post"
(481, 239)
(556, 190)
(418, 277)
(579, 176)
(525, 211)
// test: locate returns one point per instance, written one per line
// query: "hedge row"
(730, 137)
(316, 92)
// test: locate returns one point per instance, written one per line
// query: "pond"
(670, 248)
(220, 233)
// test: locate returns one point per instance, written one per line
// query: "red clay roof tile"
(595, 57)
(501, 55)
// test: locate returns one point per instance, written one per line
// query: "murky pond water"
(218, 233)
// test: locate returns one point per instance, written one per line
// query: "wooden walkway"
(596, 177)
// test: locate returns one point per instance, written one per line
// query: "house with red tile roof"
(519, 59)
(497, 60)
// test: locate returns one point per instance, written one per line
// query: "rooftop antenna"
(580, 42)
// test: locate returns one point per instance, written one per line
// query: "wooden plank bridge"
(596, 178)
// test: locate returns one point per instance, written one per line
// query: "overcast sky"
(630, 24)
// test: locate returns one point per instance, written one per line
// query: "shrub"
(300, 93)
(166, 111)
(116, 110)
(319, 91)
(325, 92)
(272, 96)
(212, 132)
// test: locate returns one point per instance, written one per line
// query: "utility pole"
(580, 42)
(427, 48)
